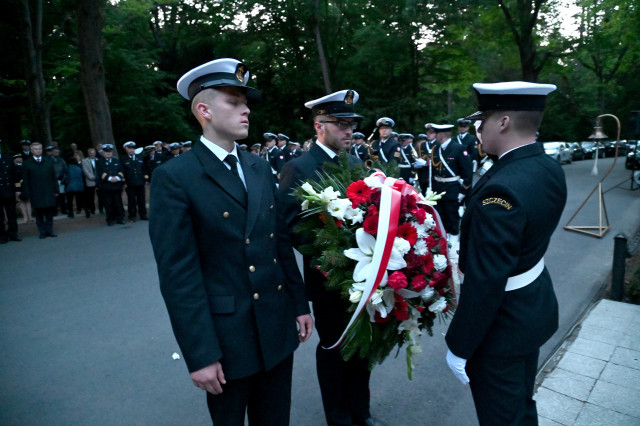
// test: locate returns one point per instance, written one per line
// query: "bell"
(598, 133)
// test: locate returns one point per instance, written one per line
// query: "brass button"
(275, 260)
(280, 287)
(248, 241)
(271, 206)
(252, 268)
(271, 235)
(256, 296)
(225, 215)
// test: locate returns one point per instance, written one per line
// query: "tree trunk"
(321, 57)
(40, 120)
(90, 23)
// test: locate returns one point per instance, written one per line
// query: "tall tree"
(36, 88)
(92, 73)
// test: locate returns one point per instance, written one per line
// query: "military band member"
(452, 174)
(174, 151)
(386, 147)
(283, 141)
(187, 145)
(296, 150)
(507, 306)
(160, 152)
(110, 181)
(135, 179)
(227, 271)
(408, 158)
(344, 385)
(425, 146)
(358, 147)
(273, 154)
(256, 148)
(469, 141)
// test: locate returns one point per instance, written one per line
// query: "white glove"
(420, 162)
(457, 365)
(460, 197)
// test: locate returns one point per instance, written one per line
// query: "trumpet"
(372, 157)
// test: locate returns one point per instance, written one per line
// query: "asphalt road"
(85, 338)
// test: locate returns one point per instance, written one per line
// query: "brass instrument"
(372, 158)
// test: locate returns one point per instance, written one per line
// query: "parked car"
(559, 151)
(589, 148)
(633, 159)
(577, 153)
(610, 148)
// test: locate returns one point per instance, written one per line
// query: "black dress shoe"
(51, 235)
(371, 421)
(120, 222)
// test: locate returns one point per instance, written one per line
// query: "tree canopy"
(411, 60)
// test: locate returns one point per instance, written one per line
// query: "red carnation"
(397, 280)
(401, 308)
(370, 223)
(408, 232)
(431, 242)
(359, 193)
(419, 283)
(420, 215)
(427, 266)
(375, 197)
(439, 280)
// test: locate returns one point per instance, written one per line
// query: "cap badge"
(348, 98)
(241, 70)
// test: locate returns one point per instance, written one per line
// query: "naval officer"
(507, 307)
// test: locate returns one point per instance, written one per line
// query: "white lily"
(382, 302)
(338, 207)
(306, 187)
(305, 205)
(328, 194)
(354, 215)
(363, 254)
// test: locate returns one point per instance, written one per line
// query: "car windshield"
(588, 144)
(552, 145)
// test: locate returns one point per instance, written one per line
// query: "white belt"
(525, 278)
(449, 179)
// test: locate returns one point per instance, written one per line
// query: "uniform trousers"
(44, 219)
(344, 385)
(8, 205)
(113, 205)
(502, 388)
(90, 199)
(448, 211)
(265, 397)
(136, 202)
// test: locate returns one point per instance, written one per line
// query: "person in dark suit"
(344, 385)
(227, 271)
(452, 174)
(110, 181)
(507, 307)
(9, 185)
(386, 148)
(40, 186)
(135, 179)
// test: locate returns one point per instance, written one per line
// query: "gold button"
(280, 287)
(252, 268)
(275, 260)
(256, 296)
(271, 235)
(247, 241)
(271, 206)
(225, 215)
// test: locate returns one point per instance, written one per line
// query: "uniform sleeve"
(173, 238)
(290, 207)
(466, 170)
(494, 236)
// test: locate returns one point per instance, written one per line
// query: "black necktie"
(232, 161)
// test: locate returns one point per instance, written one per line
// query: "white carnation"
(438, 306)
(439, 262)
(401, 246)
(420, 247)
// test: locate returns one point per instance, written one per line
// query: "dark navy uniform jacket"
(8, 177)
(227, 271)
(134, 170)
(391, 149)
(511, 213)
(105, 169)
(406, 163)
(459, 162)
(360, 151)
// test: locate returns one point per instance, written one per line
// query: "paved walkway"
(597, 379)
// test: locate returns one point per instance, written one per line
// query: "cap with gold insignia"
(510, 96)
(442, 127)
(149, 147)
(255, 145)
(385, 121)
(268, 136)
(421, 136)
(107, 147)
(429, 127)
(174, 145)
(157, 143)
(132, 144)
(216, 73)
(405, 136)
(339, 104)
(25, 142)
(463, 122)
(17, 156)
(357, 135)
(283, 136)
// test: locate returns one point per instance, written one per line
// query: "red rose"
(397, 280)
(408, 232)
(401, 308)
(359, 193)
(370, 223)
(419, 283)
